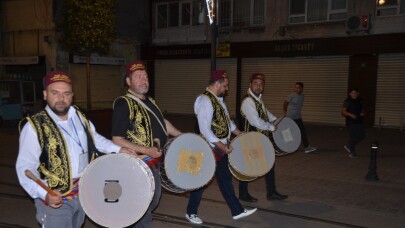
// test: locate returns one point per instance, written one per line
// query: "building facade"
(330, 45)
(30, 47)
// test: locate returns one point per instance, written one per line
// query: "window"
(179, 13)
(390, 7)
(241, 13)
(303, 11)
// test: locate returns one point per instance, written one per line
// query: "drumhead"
(287, 136)
(115, 190)
(189, 162)
(252, 154)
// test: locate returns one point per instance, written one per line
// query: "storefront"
(327, 66)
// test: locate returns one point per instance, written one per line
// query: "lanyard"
(75, 136)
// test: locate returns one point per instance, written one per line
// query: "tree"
(89, 26)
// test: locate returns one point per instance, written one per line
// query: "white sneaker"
(245, 213)
(194, 219)
(309, 149)
(347, 149)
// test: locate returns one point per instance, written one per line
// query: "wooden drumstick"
(278, 121)
(156, 142)
(30, 175)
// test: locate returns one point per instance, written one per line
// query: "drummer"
(216, 127)
(256, 117)
(56, 145)
(137, 122)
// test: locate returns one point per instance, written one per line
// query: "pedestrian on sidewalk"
(255, 117)
(292, 108)
(216, 127)
(56, 144)
(353, 111)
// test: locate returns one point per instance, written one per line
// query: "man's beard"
(60, 112)
(141, 91)
(222, 94)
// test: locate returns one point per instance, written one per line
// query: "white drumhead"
(115, 190)
(252, 154)
(287, 136)
(189, 162)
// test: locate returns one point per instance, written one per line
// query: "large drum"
(115, 190)
(189, 163)
(287, 136)
(252, 156)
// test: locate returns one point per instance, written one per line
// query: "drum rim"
(209, 153)
(85, 206)
(276, 134)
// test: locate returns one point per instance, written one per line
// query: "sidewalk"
(326, 188)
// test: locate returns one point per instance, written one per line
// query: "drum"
(115, 190)
(252, 156)
(189, 163)
(287, 136)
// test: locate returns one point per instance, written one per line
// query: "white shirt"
(248, 108)
(76, 141)
(204, 112)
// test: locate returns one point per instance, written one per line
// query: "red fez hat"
(257, 76)
(57, 76)
(218, 74)
(134, 66)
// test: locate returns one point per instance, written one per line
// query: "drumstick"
(278, 121)
(30, 175)
(156, 142)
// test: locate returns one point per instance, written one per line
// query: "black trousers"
(270, 184)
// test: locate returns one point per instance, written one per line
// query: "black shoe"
(248, 198)
(276, 196)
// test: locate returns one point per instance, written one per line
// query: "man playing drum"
(216, 127)
(55, 146)
(136, 123)
(256, 117)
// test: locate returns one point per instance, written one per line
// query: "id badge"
(83, 161)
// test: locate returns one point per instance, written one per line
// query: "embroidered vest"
(262, 115)
(140, 130)
(220, 121)
(55, 166)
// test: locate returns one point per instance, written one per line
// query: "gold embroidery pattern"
(140, 131)
(220, 121)
(262, 115)
(56, 169)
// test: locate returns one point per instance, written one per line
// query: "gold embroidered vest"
(262, 115)
(55, 165)
(220, 121)
(140, 130)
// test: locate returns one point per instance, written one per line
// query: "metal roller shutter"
(180, 81)
(325, 84)
(107, 83)
(390, 99)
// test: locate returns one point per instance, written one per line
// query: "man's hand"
(152, 152)
(54, 201)
(127, 151)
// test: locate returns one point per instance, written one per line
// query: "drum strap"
(147, 108)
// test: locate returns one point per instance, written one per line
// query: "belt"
(74, 193)
(217, 153)
(153, 163)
